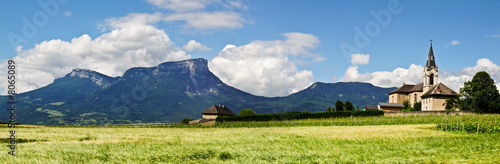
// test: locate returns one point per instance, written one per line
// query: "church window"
(431, 79)
(415, 98)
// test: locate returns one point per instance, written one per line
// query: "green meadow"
(413, 143)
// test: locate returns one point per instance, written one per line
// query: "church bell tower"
(430, 72)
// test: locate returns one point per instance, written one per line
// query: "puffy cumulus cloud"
(455, 80)
(112, 53)
(180, 5)
(264, 67)
(360, 59)
(414, 74)
(194, 45)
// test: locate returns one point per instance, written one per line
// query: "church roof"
(219, 110)
(418, 88)
(406, 88)
(431, 63)
(393, 105)
(440, 89)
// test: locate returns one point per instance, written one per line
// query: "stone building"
(210, 114)
(430, 92)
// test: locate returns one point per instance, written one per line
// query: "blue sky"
(273, 48)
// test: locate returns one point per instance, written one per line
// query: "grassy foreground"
(316, 144)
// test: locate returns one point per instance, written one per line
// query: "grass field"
(307, 144)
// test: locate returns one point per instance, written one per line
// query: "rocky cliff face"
(97, 78)
(194, 73)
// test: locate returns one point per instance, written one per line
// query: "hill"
(168, 92)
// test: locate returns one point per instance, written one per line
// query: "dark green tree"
(450, 104)
(357, 108)
(348, 106)
(480, 94)
(186, 120)
(247, 112)
(406, 104)
(329, 109)
(339, 106)
(417, 106)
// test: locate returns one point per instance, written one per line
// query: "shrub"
(348, 106)
(225, 156)
(247, 112)
(296, 115)
(417, 106)
(186, 120)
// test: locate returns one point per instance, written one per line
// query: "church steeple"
(430, 71)
(430, 60)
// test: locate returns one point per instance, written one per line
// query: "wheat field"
(315, 144)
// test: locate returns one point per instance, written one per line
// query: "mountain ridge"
(169, 92)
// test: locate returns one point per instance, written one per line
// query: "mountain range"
(168, 92)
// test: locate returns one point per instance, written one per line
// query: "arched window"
(415, 98)
(431, 80)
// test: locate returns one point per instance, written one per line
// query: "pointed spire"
(430, 59)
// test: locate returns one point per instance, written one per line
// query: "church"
(430, 92)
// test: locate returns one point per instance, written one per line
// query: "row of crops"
(472, 123)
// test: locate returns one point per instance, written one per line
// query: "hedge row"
(298, 115)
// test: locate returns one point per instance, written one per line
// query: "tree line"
(341, 106)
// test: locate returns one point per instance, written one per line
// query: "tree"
(480, 94)
(339, 106)
(186, 120)
(450, 104)
(247, 112)
(329, 109)
(348, 106)
(417, 106)
(357, 107)
(406, 104)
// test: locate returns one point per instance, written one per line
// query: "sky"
(267, 48)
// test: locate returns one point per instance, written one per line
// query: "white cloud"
(194, 45)
(180, 5)
(189, 14)
(492, 36)
(453, 43)
(192, 20)
(67, 13)
(112, 53)
(208, 20)
(414, 74)
(264, 67)
(132, 19)
(360, 59)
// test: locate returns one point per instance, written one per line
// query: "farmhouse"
(430, 92)
(213, 112)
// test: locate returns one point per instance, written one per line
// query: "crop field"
(301, 143)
